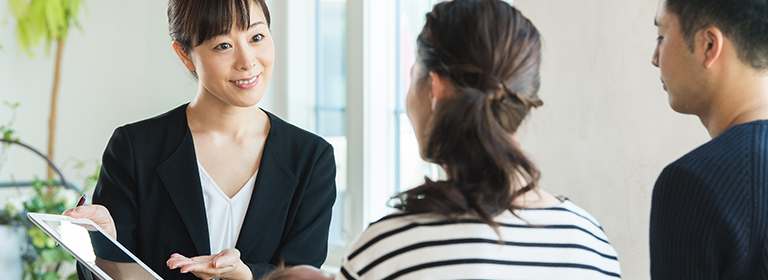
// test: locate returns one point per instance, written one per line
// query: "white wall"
(605, 131)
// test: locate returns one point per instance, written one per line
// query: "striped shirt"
(561, 242)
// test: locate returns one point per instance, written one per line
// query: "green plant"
(49, 20)
(43, 19)
(42, 258)
(5, 130)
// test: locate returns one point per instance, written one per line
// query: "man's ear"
(711, 39)
(441, 88)
(183, 56)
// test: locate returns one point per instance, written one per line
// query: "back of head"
(744, 22)
(491, 54)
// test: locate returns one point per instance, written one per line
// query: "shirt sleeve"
(116, 188)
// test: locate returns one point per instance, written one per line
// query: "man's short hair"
(744, 22)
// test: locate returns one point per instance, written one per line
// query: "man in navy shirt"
(709, 214)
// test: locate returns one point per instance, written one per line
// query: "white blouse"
(225, 215)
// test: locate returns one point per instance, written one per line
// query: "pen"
(81, 201)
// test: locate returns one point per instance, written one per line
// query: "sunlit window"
(331, 97)
(410, 169)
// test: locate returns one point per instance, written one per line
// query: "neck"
(535, 198)
(743, 98)
(206, 113)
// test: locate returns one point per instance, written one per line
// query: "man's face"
(681, 74)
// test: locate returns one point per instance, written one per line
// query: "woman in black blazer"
(149, 195)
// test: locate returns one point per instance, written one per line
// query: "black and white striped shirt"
(562, 242)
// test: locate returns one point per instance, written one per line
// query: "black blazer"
(150, 183)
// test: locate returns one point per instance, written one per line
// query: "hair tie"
(491, 81)
(525, 101)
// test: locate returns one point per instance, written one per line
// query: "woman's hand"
(96, 213)
(225, 265)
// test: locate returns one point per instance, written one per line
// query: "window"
(383, 157)
(311, 39)
(331, 102)
(410, 169)
(364, 50)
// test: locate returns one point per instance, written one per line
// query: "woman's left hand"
(225, 265)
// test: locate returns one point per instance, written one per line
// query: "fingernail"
(216, 264)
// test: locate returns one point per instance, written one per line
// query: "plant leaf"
(51, 275)
(25, 37)
(18, 7)
(44, 19)
(55, 18)
(54, 255)
(11, 105)
(37, 239)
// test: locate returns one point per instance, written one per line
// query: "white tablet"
(93, 247)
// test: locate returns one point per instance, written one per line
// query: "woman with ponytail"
(475, 80)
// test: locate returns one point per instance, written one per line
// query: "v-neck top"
(159, 209)
(225, 215)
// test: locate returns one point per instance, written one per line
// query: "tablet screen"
(94, 248)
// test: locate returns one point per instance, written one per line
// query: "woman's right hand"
(96, 213)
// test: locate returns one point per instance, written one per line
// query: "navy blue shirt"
(709, 213)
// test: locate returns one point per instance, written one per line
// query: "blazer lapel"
(181, 178)
(274, 188)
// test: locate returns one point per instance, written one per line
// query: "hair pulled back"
(192, 22)
(491, 54)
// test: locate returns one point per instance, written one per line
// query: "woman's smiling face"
(234, 68)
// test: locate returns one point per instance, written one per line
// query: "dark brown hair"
(491, 54)
(744, 22)
(192, 22)
(281, 272)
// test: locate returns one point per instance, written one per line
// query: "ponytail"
(491, 53)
